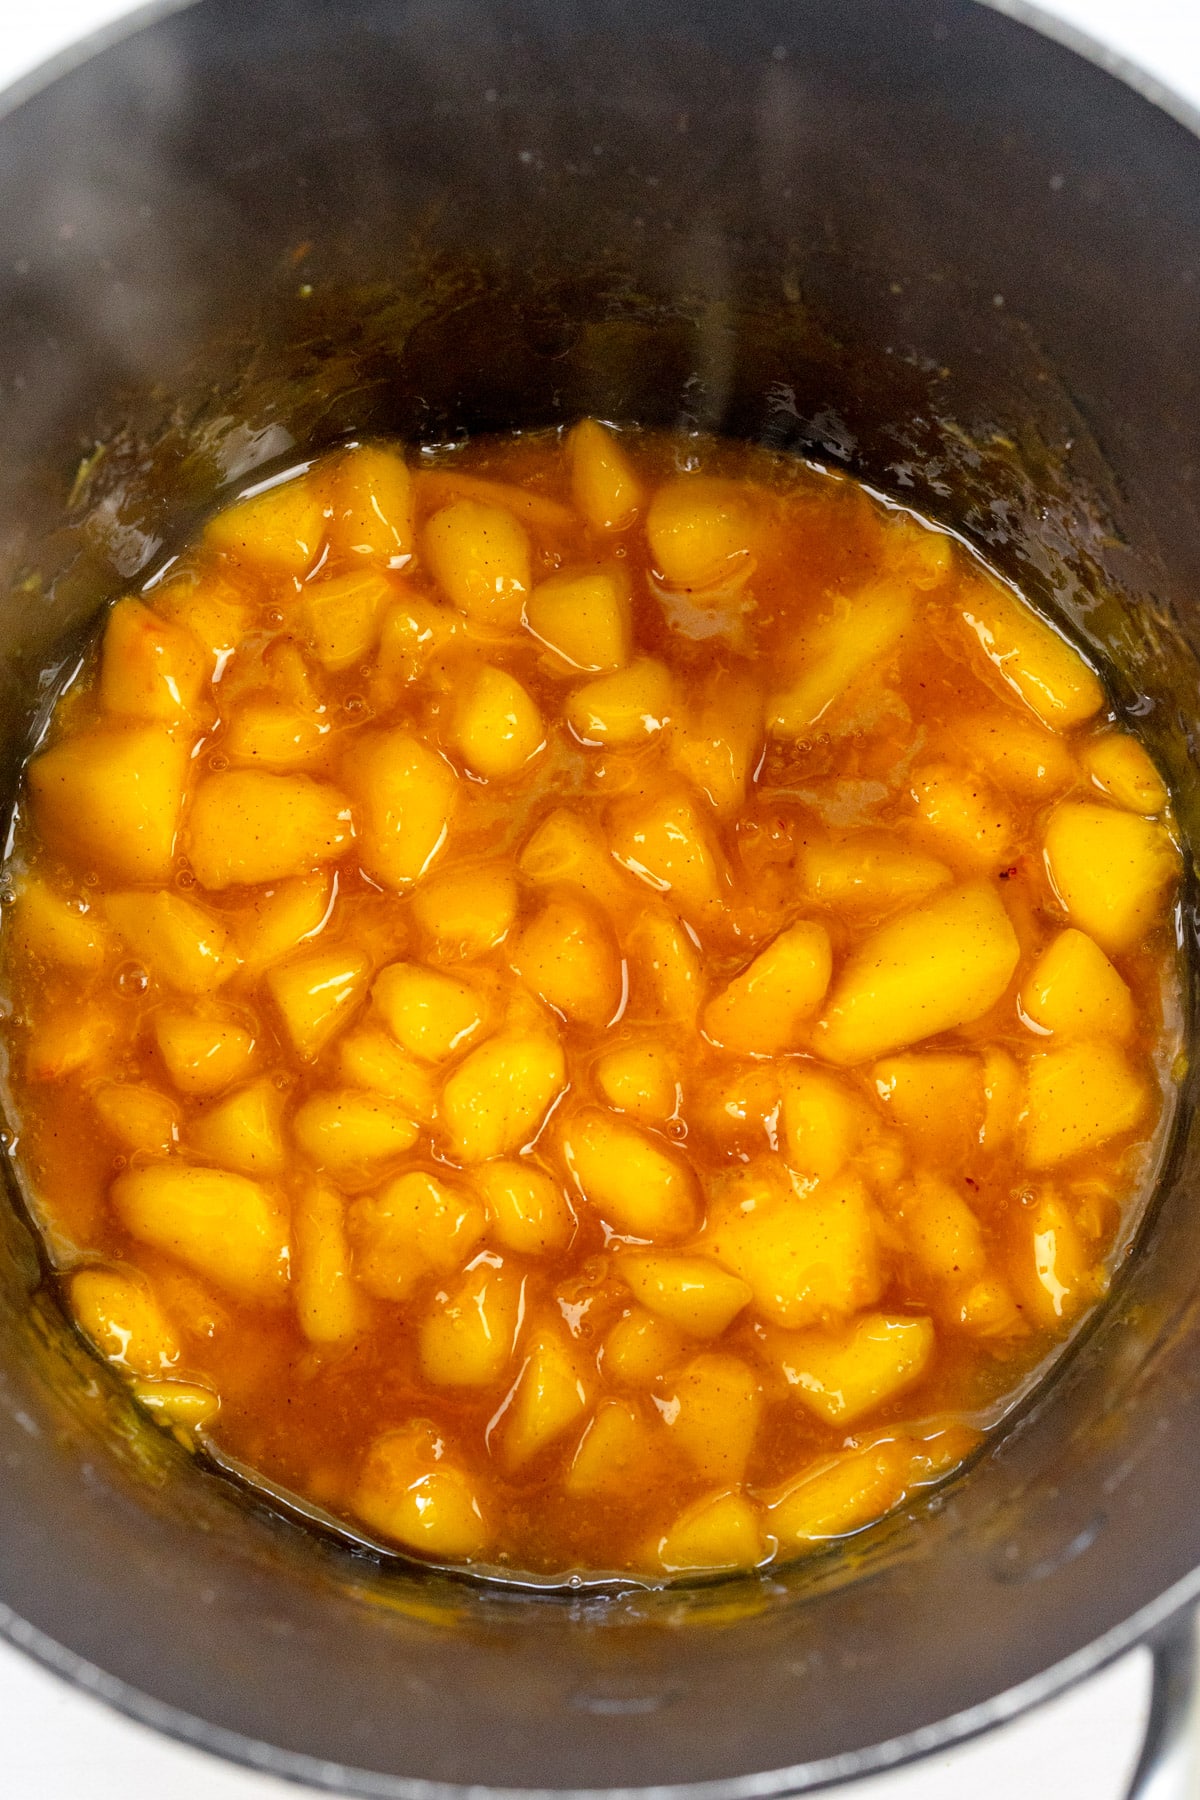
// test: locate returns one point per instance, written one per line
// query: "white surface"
(59, 1744)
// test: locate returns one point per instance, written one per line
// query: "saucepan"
(920, 240)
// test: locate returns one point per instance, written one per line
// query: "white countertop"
(59, 1744)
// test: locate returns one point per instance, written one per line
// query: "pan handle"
(1169, 1765)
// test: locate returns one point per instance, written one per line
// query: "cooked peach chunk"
(616, 1453)
(624, 708)
(805, 1256)
(429, 1014)
(202, 1055)
(838, 1494)
(963, 817)
(404, 795)
(277, 528)
(700, 530)
(250, 827)
(340, 618)
(139, 1117)
(225, 1226)
(604, 486)
(943, 1235)
(764, 1010)
(467, 910)
(868, 872)
(70, 1038)
(567, 848)
(208, 607)
(50, 928)
(845, 1374)
(1055, 1271)
(636, 1184)
(120, 1314)
(479, 556)
(369, 1057)
(936, 1097)
(568, 957)
(315, 996)
(1121, 768)
(860, 637)
(641, 1347)
(328, 1304)
(721, 1532)
(692, 1292)
(244, 1131)
(468, 1335)
(372, 506)
(347, 1131)
(414, 1493)
(495, 1101)
(822, 1122)
(442, 483)
(149, 667)
(666, 842)
(1078, 1097)
(665, 954)
(530, 1212)
(178, 1403)
(269, 733)
(281, 918)
(497, 728)
(1074, 991)
(1047, 672)
(713, 1413)
(720, 740)
(112, 799)
(412, 633)
(639, 1079)
(583, 617)
(177, 942)
(941, 965)
(1111, 870)
(551, 1394)
(415, 1224)
(1003, 1095)
(1020, 756)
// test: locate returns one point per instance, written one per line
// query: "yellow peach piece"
(626, 707)
(496, 1099)
(244, 1131)
(552, 1392)
(667, 844)
(278, 920)
(315, 996)
(863, 633)
(1047, 672)
(837, 1495)
(467, 910)
(47, 927)
(583, 618)
(1079, 1097)
(413, 630)
(372, 506)
(987, 1310)
(868, 872)
(468, 1336)
(437, 485)
(429, 1014)
(112, 799)
(68, 1039)
(936, 1097)
(340, 618)
(370, 1057)
(202, 1055)
(567, 848)
(641, 1347)
(943, 1236)
(225, 1226)
(568, 957)
(938, 966)
(279, 528)
(251, 827)
(637, 1185)
(639, 1079)
(177, 942)
(479, 556)
(413, 1493)
(1111, 870)
(138, 1117)
(178, 1403)
(963, 817)
(616, 1453)
(1002, 1097)
(122, 1317)
(1056, 1271)
(207, 606)
(404, 796)
(1074, 991)
(604, 487)
(822, 1122)
(1019, 755)
(718, 743)
(529, 1211)
(805, 1256)
(347, 1131)
(415, 1224)
(712, 1413)
(700, 531)
(149, 667)
(328, 1304)
(268, 733)
(664, 953)
(721, 1532)
(1121, 768)
(843, 1375)
(692, 1292)
(765, 1010)
(496, 728)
